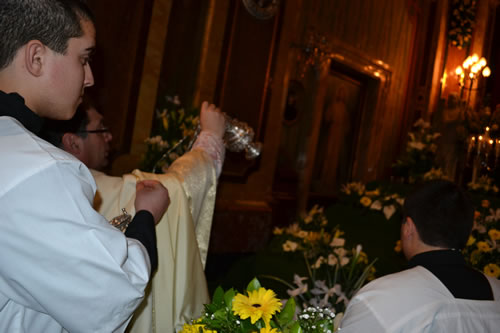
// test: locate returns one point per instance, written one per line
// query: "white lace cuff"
(213, 146)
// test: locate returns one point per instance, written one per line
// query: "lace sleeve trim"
(214, 147)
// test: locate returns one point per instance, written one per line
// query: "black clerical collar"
(12, 105)
(450, 268)
(437, 257)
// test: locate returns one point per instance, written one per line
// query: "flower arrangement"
(420, 153)
(258, 310)
(461, 22)
(476, 121)
(335, 272)
(483, 247)
(434, 174)
(174, 128)
(375, 199)
(484, 184)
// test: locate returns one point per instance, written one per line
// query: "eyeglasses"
(101, 130)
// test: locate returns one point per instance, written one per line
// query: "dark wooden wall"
(122, 27)
(387, 46)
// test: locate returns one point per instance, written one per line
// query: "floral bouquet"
(376, 199)
(258, 310)
(335, 272)
(420, 152)
(461, 22)
(483, 247)
(484, 184)
(173, 130)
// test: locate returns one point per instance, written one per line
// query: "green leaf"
(253, 285)
(218, 297)
(286, 315)
(296, 328)
(220, 314)
(247, 326)
(228, 298)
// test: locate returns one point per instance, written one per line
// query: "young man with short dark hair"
(439, 292)
(63, 267)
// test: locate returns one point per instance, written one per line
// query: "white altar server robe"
(63, 267)
(415, 300)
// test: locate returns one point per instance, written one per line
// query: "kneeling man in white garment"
(439, 292)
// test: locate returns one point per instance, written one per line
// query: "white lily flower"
(336, 242)
(332, 260)
(494, 215)
(290, 246)
(301, 287)
(161, 114)
(376, 205)
(416, 145)
(389, 211)
(318, 262)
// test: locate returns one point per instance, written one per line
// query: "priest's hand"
(212, 119)
(152, 196)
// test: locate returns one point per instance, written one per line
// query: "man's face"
(95, 148)
(68, 74)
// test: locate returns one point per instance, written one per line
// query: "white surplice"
(179, 289)
(63, 267)
(415, 300)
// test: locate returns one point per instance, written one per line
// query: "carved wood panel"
(122, 27)
(244, 78)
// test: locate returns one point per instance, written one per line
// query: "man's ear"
(72, 143)
(35, 53)
(408, 228)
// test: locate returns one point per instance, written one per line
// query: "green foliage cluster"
(461, 22)
(174, 128)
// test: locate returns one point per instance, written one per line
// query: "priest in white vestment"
(439, 292)
(178, 290)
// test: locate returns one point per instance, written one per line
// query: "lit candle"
(497, 150)
(486, 72)
(470, 147)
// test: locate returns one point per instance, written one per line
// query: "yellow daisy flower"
(195, 328)
(471, 240)
(363, 257)
(494, 234)
(474, 256)
(365, 201)
(258, 304)
(483, 246)
(398, 247)
(373, 193)
(313, 236)
(268, 330)
(492, 270)
(278, 231)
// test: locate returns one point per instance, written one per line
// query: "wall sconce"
(472, 69)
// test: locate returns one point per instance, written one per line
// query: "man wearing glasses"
(89, 139)
(179, 289)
